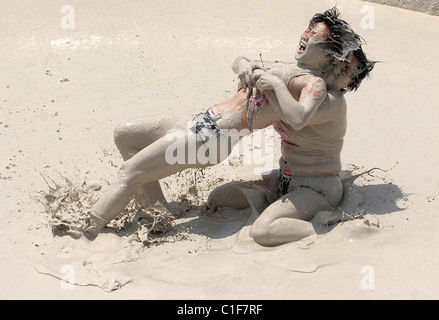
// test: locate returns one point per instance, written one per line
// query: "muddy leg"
(287, 219)
(148, 165)
(132, 136)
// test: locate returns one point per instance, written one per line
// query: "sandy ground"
(62, 92)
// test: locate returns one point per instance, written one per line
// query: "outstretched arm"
(296, 113)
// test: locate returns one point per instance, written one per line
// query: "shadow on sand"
(229, 208)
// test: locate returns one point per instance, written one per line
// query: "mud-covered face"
(343, 77)
(311, 50)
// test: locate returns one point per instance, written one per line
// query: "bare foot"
(94, 225)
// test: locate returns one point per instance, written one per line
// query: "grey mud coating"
(305, 104)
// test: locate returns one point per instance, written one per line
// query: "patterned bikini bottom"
(329, 187)
(204, 125)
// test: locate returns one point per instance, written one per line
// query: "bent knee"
(120, 133)
(260, 232)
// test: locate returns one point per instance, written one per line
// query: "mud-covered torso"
(255, 113)
(313, 150)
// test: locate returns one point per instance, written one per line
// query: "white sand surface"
(63, 91)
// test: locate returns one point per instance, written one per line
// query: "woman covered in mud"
(303, 101)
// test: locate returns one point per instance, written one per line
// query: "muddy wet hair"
(363, 70)
(343, 40)
(343, 44)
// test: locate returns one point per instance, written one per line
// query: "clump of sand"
(68, 206)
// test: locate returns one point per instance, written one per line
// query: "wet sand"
(63, 91)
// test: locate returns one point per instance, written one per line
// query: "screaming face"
(330, 48)
(311, 46)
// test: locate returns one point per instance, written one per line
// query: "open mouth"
(302, 46)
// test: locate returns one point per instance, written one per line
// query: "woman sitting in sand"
(305, 104)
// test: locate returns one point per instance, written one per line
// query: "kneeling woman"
(303, 102)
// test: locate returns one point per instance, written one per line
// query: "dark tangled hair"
(343, 44)
(363, 71)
